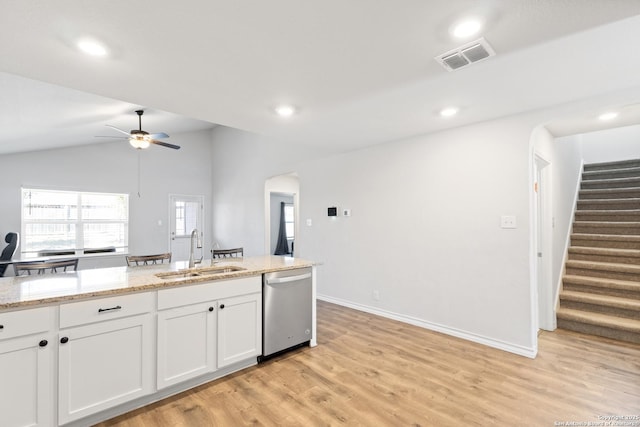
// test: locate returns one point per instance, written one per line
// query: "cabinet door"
(186, 342)
(239, 329)
(25, 388)
(104, 364)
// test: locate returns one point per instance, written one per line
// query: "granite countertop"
(28, 291)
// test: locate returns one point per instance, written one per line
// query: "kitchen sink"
(200, 272)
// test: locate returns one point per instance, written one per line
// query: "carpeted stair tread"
(622, 256)
(617, 164)
(599, 319)
(611, 183)
(609, 193)
(607, 266)
(610, 214)
(597, 204)
(629, 172)
(602, 283)
(607, 237)
(608, 227)
(606, 251)
(599, 299)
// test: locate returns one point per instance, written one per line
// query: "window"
(70, 222)
(186, 216)
(289, 221)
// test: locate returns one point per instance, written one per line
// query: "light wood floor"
(371, 371)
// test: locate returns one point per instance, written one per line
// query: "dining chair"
(9, 251)
(26, 268)
(135, 260)
(227, 253)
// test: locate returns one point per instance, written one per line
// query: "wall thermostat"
(332, 211)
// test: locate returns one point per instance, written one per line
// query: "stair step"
(615, 241)
(602, 286)
(610, 255)
(609, 193)
(607, 227)
(631, 172)
(620, 328)
(609, 204)
(610, 183)
(613, 215)
(599, 303)
(603, 269)
(624, 164)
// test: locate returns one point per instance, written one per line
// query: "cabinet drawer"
(25, 322)
(98, 310)
(210, 291)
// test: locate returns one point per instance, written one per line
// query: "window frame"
(79, 222)
(292, 222)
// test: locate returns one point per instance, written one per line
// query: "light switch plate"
(346, 212)
(309, 222)
(508, 221)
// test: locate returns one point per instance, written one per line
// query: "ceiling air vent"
(465, 55)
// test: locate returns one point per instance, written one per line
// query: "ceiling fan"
(140, 139)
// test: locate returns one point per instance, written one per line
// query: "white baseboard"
(469, 336)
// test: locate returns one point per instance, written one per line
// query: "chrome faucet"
(192, 261)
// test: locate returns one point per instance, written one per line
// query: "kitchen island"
(78, 348)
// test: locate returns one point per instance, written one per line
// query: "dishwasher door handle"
(276, 280)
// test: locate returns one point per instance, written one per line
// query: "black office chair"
(9, 251)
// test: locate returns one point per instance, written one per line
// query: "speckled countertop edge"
(21, 292)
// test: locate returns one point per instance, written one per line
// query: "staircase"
(601, 285)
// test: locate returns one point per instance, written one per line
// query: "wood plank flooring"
(372, 371)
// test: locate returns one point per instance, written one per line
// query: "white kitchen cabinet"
(239, 328)
(105, 354)
(186, 342)
(26, 395)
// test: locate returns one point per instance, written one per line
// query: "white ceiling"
(360, 72)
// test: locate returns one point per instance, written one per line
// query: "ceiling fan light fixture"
(139, 142)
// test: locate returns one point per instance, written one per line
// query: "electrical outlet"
(507, 221)
(376, 295)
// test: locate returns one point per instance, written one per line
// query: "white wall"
(424, 230)
(610, 145)
(113, 167)
(241, 163)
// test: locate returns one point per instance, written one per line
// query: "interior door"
(185, 214)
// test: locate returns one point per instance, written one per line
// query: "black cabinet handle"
(43, 343)
(210, 308)
(117, 307)
(64, 340)
(221, 306)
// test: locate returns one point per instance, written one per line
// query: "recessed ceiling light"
(467, 28)
(449, 112)
(285, 110)
(92, 47)
(608, 116)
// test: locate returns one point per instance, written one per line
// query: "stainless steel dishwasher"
(286, 310)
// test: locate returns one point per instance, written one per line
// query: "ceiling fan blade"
(165, 144)
(119, 130)
(158, 135)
